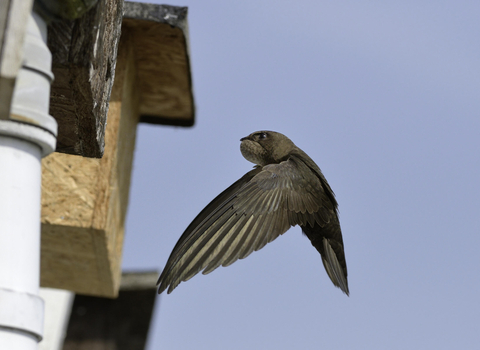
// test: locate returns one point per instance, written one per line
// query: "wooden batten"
(84, 200)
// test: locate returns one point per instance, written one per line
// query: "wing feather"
(236, 239)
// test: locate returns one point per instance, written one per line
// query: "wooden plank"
(84, 200)
(163, 62)
(84, 53)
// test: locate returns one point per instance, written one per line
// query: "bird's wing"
(252, 212)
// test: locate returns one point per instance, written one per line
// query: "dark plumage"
(285, 188)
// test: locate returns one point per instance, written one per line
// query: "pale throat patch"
(253, 152)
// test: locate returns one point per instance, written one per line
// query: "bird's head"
(266, 147)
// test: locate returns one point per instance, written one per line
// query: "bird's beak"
(244, 138)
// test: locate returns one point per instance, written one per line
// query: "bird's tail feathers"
(333, 267)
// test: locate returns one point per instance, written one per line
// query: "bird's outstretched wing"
(252, 212)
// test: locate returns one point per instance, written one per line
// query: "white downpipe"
(58, 306)
(21, 310)
(24, 140)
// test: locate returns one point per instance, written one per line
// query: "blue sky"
(384, 96)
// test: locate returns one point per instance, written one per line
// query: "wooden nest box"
(137, 68)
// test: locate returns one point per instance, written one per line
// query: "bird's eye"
(262, 135)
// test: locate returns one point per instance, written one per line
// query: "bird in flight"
(286, 188)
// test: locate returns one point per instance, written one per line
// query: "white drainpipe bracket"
(44, 139)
